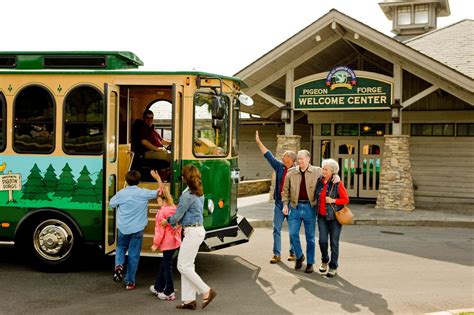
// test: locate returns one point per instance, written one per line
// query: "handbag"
(343, 216)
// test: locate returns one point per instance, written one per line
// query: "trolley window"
(3, 124)
(211, 124)
(83, 121)
(34, 121)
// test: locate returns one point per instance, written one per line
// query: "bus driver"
(153, 143)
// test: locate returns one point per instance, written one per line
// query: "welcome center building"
(396, 113)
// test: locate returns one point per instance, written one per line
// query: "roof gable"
(335, 25)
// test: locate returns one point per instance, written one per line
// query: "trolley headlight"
(210, 205)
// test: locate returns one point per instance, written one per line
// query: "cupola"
(411, 18)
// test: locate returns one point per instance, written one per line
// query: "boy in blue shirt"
(132, 207)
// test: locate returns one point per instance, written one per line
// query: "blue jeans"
(331, 229)
(303, 213)
(132, 242)
(278, 218)
(164, 281)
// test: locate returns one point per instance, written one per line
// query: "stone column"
(284, 143)
(396, 183)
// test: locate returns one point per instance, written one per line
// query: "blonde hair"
(166, 196)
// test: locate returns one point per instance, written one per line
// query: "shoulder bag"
(343, 216)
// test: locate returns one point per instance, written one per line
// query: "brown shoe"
(292, 257)
(299, 262)
(212, 295)
(187, 306)
(309, 268)
(275, 259)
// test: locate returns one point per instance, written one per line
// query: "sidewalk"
(259, 212)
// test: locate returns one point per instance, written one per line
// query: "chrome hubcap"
(53, 239)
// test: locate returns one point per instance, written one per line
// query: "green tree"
(98, 186)
(66, 183)
(50, 179)
(34, 188)
(84, 190)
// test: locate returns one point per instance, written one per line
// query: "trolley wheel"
(54, 242)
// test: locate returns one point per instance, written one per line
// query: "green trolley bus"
(69, 131)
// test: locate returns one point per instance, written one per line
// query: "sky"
(217, 36)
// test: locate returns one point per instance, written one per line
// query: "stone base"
(396, 183)
(254, 187)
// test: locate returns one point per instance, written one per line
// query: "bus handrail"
(132, 154)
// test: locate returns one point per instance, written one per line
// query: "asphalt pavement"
(258, 210)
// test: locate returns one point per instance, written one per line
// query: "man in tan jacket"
(298, 190)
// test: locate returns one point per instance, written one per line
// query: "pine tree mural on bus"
(50, 179)
(84, 189)
(98, 186)
(66, 183)
(34, 188)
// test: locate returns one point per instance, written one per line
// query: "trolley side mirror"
(218, 112)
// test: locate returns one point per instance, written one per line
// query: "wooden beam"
(347, 60)
(419, 96)
(343, 33)
(290, 78)
(300, 114)
(272, 110)
(270, 99)
(282, 71)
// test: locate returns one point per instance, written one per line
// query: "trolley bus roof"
(83, 62)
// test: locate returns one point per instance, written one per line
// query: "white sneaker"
(153, 290)
(331, 273)
(163, 296)
(323, 268)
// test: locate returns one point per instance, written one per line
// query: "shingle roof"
(452, 45)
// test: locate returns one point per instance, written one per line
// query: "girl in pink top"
(166, 239)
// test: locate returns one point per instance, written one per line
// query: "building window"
(404, 15)
(347, 129)
(434, 130)
(465, 130)
(83, 121)
(3, 124)
(34, 121)
(372, 129)
(211, 124)
(421, 13)
(325, 149)
(325, 129)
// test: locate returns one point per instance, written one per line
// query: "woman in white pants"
(189, 216)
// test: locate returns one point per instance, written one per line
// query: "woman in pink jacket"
(167, 239)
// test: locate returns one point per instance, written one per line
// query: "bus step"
(228, 236)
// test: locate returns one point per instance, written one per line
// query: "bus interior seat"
(139, 163)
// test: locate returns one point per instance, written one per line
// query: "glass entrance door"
(360, 163)
(370, 158)
(347, 157)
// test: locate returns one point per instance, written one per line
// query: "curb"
(384, 222)
(430, 223)
(453, 312)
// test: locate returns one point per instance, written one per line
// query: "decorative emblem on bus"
(60, 88)
(341, 77)
(10, 88)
